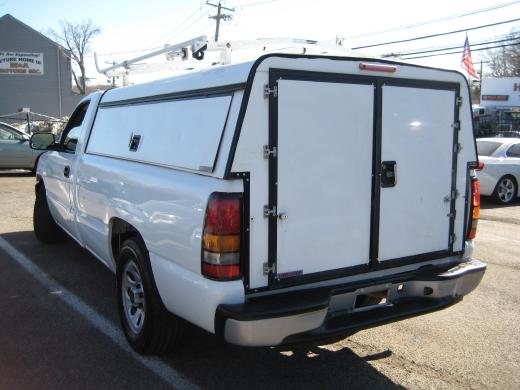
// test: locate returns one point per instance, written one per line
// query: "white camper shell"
(354, 179)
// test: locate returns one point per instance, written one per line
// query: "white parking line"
(156, 365)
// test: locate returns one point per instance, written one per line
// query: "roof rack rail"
(197, 46)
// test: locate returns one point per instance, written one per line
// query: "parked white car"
(501, 173)
(273, 201)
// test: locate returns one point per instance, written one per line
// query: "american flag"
(467, 62)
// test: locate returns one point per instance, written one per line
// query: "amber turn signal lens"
(218, 243)
(475, 189)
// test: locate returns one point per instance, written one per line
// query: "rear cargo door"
(321, 178)
(361, 174)
(416, 177)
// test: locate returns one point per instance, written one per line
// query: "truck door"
(59, 179)
(321, 178)
(417, 172)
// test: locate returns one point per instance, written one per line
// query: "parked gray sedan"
(15, 150)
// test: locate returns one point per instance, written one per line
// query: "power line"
(202, 16)
(162, 38)
(179, 25)
(256, 3)
(434, 47)
(203, 29)
(437, 35)
(460, 51)
(430, 21)
(401, 54)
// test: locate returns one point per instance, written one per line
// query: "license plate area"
(362, 299)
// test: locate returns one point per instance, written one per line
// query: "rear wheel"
(149, 327)
(45, 228)
(506, 190)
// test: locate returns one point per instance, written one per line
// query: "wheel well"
(120, 230)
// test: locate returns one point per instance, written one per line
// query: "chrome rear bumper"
(315, 314)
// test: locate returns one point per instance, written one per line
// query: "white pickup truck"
(290, 198)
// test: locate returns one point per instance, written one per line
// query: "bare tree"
(505, 61)
(76, 38)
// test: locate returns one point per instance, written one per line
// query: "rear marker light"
(378, 67)
(475, 208)
(221, 237)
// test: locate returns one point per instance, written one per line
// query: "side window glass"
(514, 151)
(69, 138)
(4, 135)
(17, 136)
(10, 135)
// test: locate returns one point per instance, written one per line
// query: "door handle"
(66, 171)
(388, 174)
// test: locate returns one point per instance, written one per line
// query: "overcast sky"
(127, 25)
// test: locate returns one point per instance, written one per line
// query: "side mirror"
(42, 141)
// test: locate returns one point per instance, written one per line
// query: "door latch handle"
(66, 171)
(388, 174)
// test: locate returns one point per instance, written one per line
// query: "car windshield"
(487, 148)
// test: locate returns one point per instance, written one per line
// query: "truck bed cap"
(214, 77)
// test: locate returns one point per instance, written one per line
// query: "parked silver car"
(15, 150)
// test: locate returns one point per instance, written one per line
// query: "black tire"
(158, 331)
(45, 228)
(506, 190)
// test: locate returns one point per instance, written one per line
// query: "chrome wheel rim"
(506, 190)
(132, 291)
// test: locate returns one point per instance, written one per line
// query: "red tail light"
(475, 208)
(221, 241)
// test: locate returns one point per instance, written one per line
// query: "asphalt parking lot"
(59, 326)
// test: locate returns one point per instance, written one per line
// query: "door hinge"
(458, 101)
(270, 211)
(453, 195)
(268, 91)
(456, 125)
(457, 148)
(269, 269)
(270, 151)
(453, 237)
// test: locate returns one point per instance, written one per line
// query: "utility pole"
(220, 16)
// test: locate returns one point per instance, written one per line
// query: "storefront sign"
(499, 98)
(21, 63)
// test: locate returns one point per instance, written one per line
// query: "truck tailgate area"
(339, 311)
